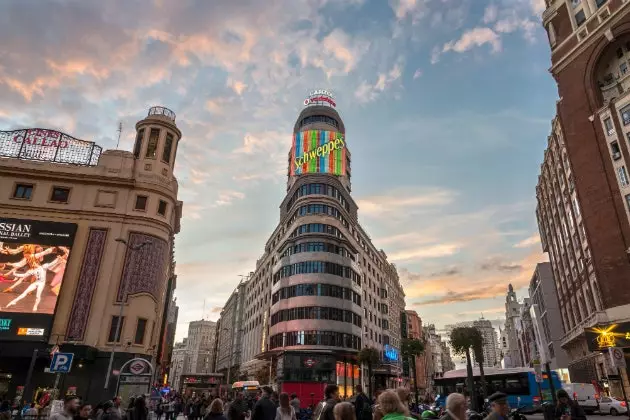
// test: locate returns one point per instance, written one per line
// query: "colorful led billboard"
(318, 151)
(33, 258)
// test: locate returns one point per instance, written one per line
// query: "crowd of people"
(390, 404)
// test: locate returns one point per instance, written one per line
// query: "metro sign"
(138, 367)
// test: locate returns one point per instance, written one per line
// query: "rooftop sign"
(320, 97)
(48, 146)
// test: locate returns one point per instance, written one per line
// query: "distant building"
(414, 331)
(179, 364)
(546, 318)
(200, 346)
(230, 334)
(490, 345)
(511, 353)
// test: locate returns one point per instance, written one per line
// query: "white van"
(585, 395)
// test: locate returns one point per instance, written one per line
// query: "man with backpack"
(362, 404)
(324, 410)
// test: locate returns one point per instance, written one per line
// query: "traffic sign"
(61, 362)
(617, 358)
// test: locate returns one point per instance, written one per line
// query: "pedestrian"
(285, 410)
(85, 412)
(97, 413)
(265, 409)
(455, 407)
(392, 408)
(566, 408)
(215, 411)
(238, 408)
(275, 398)
(295, 402)
(118, 407)
(139, 410)
(344, 411)
(5, 410)
(70, 409)
(324, 410)
(362, 405)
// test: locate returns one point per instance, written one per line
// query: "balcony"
(162, 111)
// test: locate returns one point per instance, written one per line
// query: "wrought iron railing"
(161, 110)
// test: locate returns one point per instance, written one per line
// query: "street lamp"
(120, 314)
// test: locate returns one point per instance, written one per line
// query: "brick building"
(583, 191)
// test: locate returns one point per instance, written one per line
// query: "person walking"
(265, 409)
(362, 405)
(295, 403)
(70, 409)
(324, 410)
(238, 408)
(139, 411)
(568, 409)
(344, 411)
(392, 408)
(455, 407)
(285, 410)
(215, 411)
(85, 412)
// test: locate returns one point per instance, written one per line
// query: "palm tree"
(478, 352)
(370, 357)
(410, 348)
(462, 339)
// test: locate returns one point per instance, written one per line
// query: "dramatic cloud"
(528, 242)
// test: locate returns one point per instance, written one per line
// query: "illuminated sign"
(31, 331)
(48, 145)
(390, 353)
(604, 336)
(318, 151)
(5, 324)
(320, 97)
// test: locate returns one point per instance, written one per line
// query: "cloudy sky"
(447, 105)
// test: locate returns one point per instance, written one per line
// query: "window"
(623, 176)
(576, 3)
(625, 114)
(60, 194)
(168, 148)
(138, 146)
(623, 68)
(141, 202)
(153, 141)
(600, 3)
(628, 201)
(162, 208)
(609, 126)
(616, 152)
(23, 191)
(141, 327)
(580, 18)
(112, 330)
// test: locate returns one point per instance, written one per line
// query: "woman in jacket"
(215, 411)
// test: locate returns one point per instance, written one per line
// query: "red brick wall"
(602, 210)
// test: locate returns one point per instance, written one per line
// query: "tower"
(155, 148)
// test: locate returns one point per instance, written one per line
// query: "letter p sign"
(61, 362)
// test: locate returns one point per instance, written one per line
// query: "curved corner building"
(321, 292)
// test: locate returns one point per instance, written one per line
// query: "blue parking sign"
(61, 362)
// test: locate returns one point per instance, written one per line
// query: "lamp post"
(120, 314)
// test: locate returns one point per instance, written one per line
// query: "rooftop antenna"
(119, 131)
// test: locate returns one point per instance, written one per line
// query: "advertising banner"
(602, 337)
(318, 151)
(33, 258)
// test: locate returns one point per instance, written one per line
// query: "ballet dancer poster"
(33, 259)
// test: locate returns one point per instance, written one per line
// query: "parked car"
(613, 406)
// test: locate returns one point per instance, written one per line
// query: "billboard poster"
(33, 258)
(318, 151)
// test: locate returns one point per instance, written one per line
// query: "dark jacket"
(264, 409)
(494, 416)
(238, 410)
(327, 413)
(577, 413)
(363, 407)
(214, 416)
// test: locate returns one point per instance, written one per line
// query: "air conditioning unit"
(616, 155)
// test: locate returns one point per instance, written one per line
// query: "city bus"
(518, 383)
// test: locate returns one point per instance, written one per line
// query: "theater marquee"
(48, 145)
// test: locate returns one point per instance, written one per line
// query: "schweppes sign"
(318, 151)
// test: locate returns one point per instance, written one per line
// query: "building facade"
(588, 236)
(179, 365)
(414, 331)
(230, 334)
(94, 231)
(490, 341)
(509, 336)
(322, 291)
(200, 346)
(546, 319)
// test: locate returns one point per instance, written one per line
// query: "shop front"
(307, 374)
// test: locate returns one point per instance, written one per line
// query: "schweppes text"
(322, 150)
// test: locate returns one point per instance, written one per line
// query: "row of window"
(319, 118)
(62, 195)
(315, 338)
(322, 189)
(317, 228)
(313, 289)
(316, 312)
(312, 267)
(141, 327)
(318, 208)
(152, 145)
(580, 17)
(317, 247)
